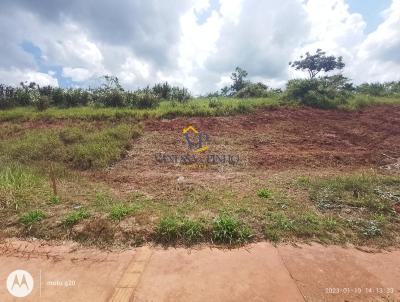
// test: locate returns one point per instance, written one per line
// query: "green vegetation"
(264, 193)
(172, 229)
(75, 217)
(20, 184)
(85, 147)
(229, 229)
(32, 217)
(120, 211)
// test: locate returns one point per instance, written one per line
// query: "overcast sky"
(195, 43)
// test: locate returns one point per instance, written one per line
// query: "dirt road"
(258, 272)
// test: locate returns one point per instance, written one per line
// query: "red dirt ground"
(282, 139)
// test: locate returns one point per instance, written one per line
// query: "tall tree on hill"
(317, 62)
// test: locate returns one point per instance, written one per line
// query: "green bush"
(142, 100)
(180, 95)
(325, 93)
(42, 103)
(253, 90)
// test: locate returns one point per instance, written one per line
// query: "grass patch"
(19, 184)
(372, 192)
(32, 217)
(264, 193)
(230, 230)
(75, 217)
(167, 109)
(120, 211)
(82, 148)
(173, 229)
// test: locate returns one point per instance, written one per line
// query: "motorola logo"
(20, 283)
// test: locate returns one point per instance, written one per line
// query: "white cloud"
(378, 56)
(146, 42)
(76, 74)
(14, 76)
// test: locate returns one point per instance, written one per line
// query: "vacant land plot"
(299, 174)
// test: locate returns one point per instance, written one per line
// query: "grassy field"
(84, 142)
(194, 107)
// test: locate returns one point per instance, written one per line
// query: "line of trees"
(109, 94)
(319, 91)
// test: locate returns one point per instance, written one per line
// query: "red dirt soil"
(281, 139)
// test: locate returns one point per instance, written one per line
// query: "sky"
(193, 43)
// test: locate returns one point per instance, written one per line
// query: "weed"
(168, 229)
(120, 211)
(32, 217)
(228, 229)
(20, 185)
(55, 199)
(75, 217)
(264, 193)
(171, 229)
(372, 229)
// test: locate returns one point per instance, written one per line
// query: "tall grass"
(167, 109)
(20, 185)
(83, 148)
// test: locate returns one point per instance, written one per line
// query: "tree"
(317, 62)
(238, 78)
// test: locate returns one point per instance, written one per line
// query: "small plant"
(191, 230)
(168, 229)
(264, 193)
(120, 211)
(228, 229)
(172, 229)
(372, 229)
(75, 217)
(32, 217)
(55, 199)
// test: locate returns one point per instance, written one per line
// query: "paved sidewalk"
(258, 272)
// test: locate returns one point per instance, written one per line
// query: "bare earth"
(258, 272)
(267, 142)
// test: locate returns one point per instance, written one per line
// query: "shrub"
(180, 95)
(42, 103)
(7, 103)
(373, 89)
(325, 93)
(58, 97)
(142, 100)
(257, 90)
(162, 91)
